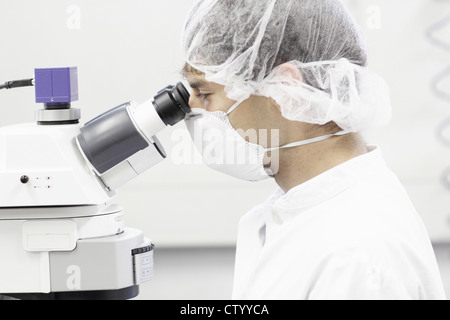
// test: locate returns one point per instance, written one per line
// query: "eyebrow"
(197, 84)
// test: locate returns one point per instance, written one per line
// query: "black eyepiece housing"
(172, 104)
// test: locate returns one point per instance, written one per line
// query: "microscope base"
(100, 267)
(121, 294)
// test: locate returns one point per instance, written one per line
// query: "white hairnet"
(244, 44)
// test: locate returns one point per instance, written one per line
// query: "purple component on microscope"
(56, 85)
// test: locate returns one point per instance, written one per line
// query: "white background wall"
(411, 49)
(128, 50)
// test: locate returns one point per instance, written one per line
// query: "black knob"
(24, 179)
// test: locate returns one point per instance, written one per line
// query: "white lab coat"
(350, 233)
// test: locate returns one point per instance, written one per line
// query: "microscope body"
(61, 237)
(57, 232)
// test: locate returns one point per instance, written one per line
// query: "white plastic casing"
(58, 174)
(146, 119)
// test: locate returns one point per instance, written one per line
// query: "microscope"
(61, 238)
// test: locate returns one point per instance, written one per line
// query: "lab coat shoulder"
(378, 248)
(384, 269)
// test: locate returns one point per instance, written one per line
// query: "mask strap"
(234, 106)
(309, 141)
(196, 115)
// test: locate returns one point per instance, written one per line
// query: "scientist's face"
(255, 113)
(206, 95)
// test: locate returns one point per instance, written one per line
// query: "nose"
(191, 101)
(195, 103)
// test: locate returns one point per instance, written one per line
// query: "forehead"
(198, 82)
(193, 76)
(197, 79)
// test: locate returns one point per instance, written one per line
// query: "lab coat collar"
(328, 184)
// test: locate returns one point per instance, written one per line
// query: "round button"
(24, 179)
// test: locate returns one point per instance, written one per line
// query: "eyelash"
(203, 96)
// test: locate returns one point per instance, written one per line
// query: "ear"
(289, 70)
(290, 74)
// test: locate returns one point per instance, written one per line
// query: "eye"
(203, 96)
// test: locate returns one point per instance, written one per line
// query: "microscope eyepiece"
(172, 104)
(184, 96)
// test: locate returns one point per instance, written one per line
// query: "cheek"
(192, 102)
(253, 119)
(216, 103)
(206, 104)
(197, 103)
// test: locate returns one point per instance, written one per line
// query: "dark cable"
(17, 84)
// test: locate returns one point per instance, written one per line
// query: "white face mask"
(223, 149)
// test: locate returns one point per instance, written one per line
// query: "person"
(281, 89)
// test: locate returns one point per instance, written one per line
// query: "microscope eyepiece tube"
(121, 133)
(110, 139)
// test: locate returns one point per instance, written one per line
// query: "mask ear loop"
(234, 106)
(194, 115)
(309, 141)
